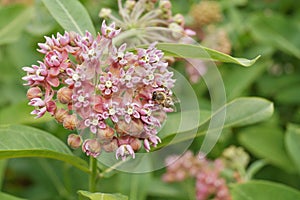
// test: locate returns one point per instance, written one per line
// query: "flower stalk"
(93, 174)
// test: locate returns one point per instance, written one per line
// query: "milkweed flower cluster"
(103, 91)
(208, 174)
(141, 14)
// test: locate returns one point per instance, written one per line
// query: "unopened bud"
(179, 19)
(34, 92)
(51, 107)
(91, 147)
(104, 12)
(64, 95)
(134, 127)
(135, 143)
(110, 146)
(129, 4)
(70, 122)
(60, 115)
(165, 5)
(74, 141)
(106, 133)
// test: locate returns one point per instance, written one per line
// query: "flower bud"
(51, 107)
(70, 122)
(74, 141)
(134, 127)
(60, 115)
(106, 133)
(104, 12)
(135, 143)
(110, 146)
(91, 147)
(64, 95)
(34, 92)
(179, 19)
(165, 5)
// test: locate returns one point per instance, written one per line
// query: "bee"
(163, 99)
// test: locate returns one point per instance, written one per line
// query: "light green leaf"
(292, 143)
(267, 142)
(263, 190)
(85, 195)
(13, 20)
(5, 196)
(20, 114)
(239, 112)
(201, 52)
(71, 15)
(23, 141)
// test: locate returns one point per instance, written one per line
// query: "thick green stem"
(93, 174)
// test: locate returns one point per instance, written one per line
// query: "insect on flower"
(165, 99)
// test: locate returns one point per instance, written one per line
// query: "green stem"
(93, 174)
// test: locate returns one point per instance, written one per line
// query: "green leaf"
(20, 114)
(267, 142)
(239, 112)
(71, 15)
(292, 143)
(285, 39)
(162, 189)
(244, 78)
(263, 190)
(137, 187)
(85, 195)
(5, 196)
(290, 95)
(13, 20)
(23, 141)
(201, 52)
(3, 164)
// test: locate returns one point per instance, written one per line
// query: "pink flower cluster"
(209, 182)
(87, 83)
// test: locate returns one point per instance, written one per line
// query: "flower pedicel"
(104, 92)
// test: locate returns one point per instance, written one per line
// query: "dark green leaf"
(266, 31)
(71, 15)
(23, 141)
(267, 142)
(263, 190)
(292, 141)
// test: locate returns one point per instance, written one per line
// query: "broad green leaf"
(240, 78)
(20, 114)
(5, 196)
(201, 52)
(3, 164)
(285, 39)
(290, 95)
(23, 141)
(292, 143)
(263, 190)
(13, 20)
(71, 15)
(239, 112)
(267, 142)
(85, 195)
